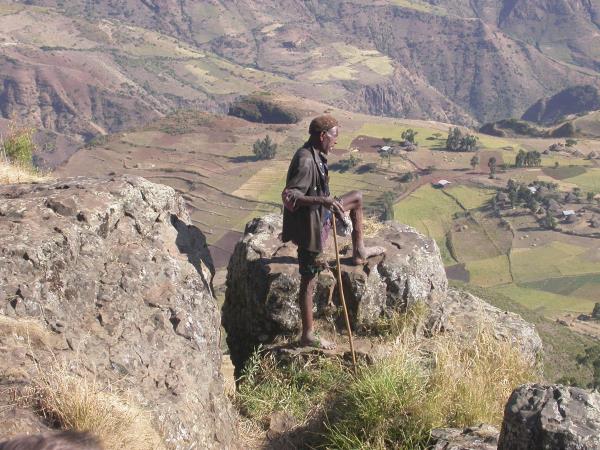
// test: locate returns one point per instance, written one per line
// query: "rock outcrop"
(263, 281)
(482, 437)
(551, 417)
(113, 273)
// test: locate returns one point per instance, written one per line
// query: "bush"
(19, 147)
(265, 148)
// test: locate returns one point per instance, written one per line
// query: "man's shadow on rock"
(191, 242)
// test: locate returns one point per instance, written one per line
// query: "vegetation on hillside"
(263, 109)
(395, 402)
(16, 157)
(459, 142)
(264, 148)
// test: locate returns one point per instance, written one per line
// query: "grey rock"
(114, 271)
(482, 437)
(263, 281)
(261, 304)
(551, 417)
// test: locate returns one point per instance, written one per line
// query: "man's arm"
(298, 185)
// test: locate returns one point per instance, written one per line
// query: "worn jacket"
(307, 176)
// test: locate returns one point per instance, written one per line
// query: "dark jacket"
(307, 176)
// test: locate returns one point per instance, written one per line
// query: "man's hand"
(334, 205)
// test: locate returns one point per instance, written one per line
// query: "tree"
(590, 196)
(265, 148)
(388, 206)
(591, 358)
(475, 161)
(492, 165)
(409, 135)
(453, 140)
(520, 158)
(571, 142)
(549, 221)
(533, 205)
(469, 143)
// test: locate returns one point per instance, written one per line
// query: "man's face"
(328, 140)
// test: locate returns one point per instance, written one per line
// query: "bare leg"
(352, 201)
(307, 288)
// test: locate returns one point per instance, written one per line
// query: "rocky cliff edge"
(113, 272)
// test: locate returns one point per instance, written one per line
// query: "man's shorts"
(309, 263)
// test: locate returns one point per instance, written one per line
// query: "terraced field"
(208, 159)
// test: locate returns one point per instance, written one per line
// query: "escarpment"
(118, 285)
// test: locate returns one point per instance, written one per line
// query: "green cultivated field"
(431, 212)
(550, 276)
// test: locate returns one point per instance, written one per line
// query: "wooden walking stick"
(341, 290)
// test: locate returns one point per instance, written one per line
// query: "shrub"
(18, 147)
(264, 148)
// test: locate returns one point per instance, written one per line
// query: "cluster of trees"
(528, 159)
(265, 148)
(537, 200)
(409, 136)
(459, 142)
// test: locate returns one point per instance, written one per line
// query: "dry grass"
(372, 227)
(26, 330)
(77, 403)
(442, 382)
(13, 173)
(474, 379)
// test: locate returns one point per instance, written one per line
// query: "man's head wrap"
(322, 124)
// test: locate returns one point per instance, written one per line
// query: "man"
(307, 213)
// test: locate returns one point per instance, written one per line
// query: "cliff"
(118, 286)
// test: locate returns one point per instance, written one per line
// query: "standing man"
(308, 210)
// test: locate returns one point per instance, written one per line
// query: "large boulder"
(551, 417)
(115, 275)
(261, 300)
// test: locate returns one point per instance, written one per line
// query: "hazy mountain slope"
(574, 100)
(445, 60)
(567, 30)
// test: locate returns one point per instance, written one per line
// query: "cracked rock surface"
(261, 300)
(114, 271)
(551, 417)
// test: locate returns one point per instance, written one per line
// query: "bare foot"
(361, 255)
(316, 342)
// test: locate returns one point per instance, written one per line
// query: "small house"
(568, 213)
(441, 184)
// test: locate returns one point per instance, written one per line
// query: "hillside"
(147, 59)
(576, 100)
(208, 159)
